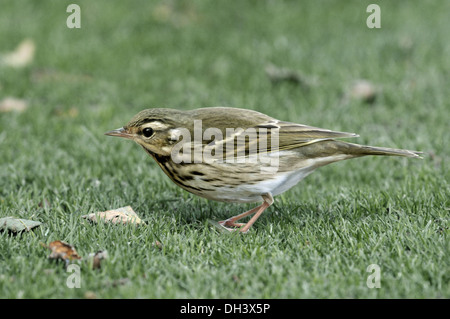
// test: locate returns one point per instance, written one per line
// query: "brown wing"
(271, 136)
(292, 135)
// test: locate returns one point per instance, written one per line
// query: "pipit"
(237, 155)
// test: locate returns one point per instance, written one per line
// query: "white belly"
(279, 184)
(247, 193)
(275, 185)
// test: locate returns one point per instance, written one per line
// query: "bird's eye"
(147, 132)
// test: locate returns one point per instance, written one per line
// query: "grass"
(318, 239)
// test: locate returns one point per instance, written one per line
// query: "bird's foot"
(230, 225)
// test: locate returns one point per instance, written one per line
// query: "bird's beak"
(120, 132)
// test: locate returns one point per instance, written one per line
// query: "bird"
(239, 155)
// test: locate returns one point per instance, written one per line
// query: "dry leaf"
(363, 90)
(16, 225)
(62, 250)
(9, 104)
(97, 258)
(277, 75)
(21, 56)
(123, 215)
(90, 295)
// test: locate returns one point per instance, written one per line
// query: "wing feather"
(271, 136)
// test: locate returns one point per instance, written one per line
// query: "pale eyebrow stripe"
(156, 125)
(174, 134)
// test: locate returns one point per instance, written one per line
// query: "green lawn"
(318, 239)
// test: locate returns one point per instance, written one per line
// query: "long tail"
(362, 150)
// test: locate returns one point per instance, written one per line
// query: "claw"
(231, 226)
(230, 223)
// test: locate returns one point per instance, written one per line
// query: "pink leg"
(231, 222)
(262, 208)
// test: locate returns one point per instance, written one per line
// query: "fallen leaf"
(121, 215)
(16, 225)
(277, 75)
(97, 258)
(9, 104)
(62, 250)
(363, 90)
(90, 295)
(21, 56)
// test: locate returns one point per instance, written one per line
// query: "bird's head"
(154, 129)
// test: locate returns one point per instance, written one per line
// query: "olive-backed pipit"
(237, 155)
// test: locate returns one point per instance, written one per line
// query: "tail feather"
(374, 150)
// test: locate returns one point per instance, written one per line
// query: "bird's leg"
(231, 222)
(268, 200)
